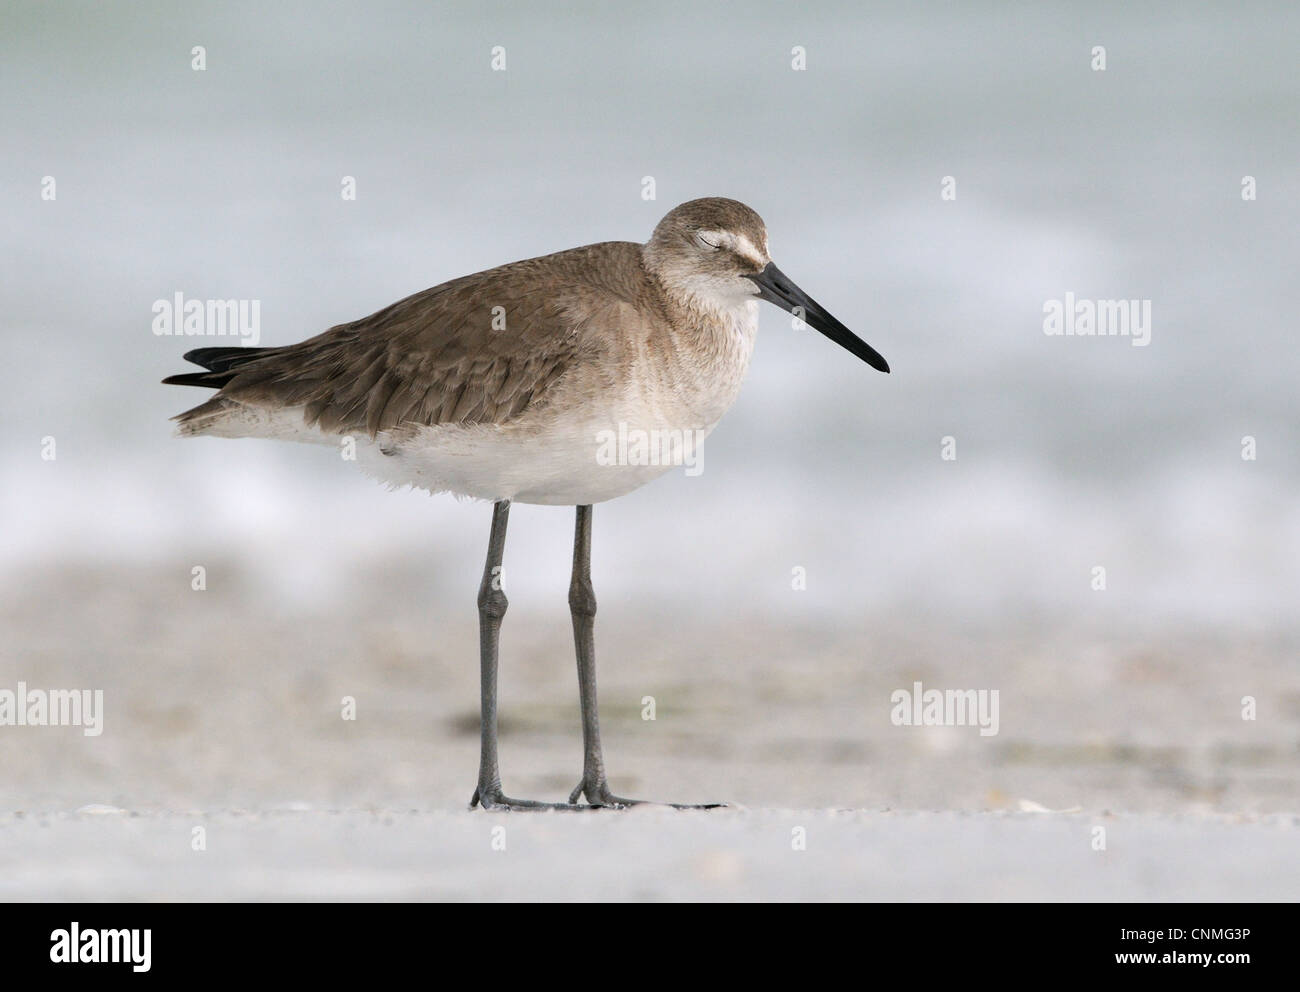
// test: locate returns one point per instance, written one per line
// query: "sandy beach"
(224, 714)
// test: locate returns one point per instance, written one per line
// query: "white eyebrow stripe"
(746, 248)
(738, 243)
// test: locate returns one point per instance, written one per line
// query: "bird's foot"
(494, 799)
(600, 797)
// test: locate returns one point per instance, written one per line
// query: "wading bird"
(506, 385)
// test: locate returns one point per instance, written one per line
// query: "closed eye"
(705, 241)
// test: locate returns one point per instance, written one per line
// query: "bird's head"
(714, 251)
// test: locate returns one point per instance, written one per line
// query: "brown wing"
(448, 354)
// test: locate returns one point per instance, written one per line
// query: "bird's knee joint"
(582, 599)
(492, 603)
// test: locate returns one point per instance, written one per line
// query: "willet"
(508, 385)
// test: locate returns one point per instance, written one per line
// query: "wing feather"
(441, 356)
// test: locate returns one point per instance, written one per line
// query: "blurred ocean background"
(1071, 452)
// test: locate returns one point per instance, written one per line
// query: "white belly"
(547, 467)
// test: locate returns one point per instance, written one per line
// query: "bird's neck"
(711, 348)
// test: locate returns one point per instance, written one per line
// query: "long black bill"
(775, 287)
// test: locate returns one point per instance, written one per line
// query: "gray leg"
(492, 605)
(582, 603)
